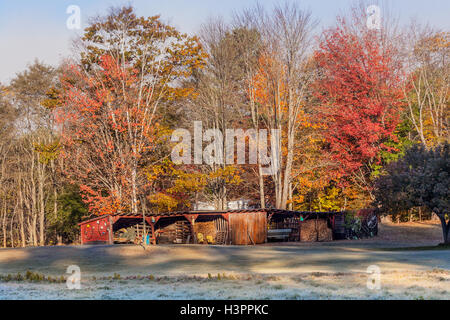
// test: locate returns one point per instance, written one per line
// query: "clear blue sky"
(32, 29)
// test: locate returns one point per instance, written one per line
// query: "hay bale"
(315, 230)
(207, 228)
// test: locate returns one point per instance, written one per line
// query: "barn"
(237, 227)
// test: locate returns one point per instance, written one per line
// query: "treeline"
(93, 135)
(38, 205)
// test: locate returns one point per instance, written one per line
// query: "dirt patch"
(414, 232)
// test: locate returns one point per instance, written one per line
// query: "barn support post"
(152, 222)
(300, 221)
(152, 226)
(266, 228)
(226, 216)
(191, 218)
(82, 230)
(110, 230)
(269, 218)
(333, 222)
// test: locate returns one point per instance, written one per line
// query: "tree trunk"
(134, 190)
(255, 122)
(291, 205)
(4, 231)
(445, 228)
(261, 186)
(287, 177)
(34, 212)
(34, 230)
(12, 230)
(22, 227)
(41, 205)
(21, 218)
(289, 158)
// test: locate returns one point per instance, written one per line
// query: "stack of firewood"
(315, 230)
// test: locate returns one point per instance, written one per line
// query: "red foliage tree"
(100, 124)
(359, 93)
(129, 67)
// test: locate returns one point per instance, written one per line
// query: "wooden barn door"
(248, 228)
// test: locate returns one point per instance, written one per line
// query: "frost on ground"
(293, 270)
(433, 284)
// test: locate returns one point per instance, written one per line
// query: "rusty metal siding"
(248, 228)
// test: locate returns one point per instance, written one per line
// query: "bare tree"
(219, 100)
(427, 84)
(286, 34)
(25, 174)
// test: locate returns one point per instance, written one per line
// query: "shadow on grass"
(441, 246)
(198, 259)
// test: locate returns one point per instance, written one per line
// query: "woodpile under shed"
(315, 230)
(178, 232)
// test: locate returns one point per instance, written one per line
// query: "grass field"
(331, 270)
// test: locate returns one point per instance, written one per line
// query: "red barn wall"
(97, 231)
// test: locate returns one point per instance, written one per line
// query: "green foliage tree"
(69, 212)
(419, 179)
